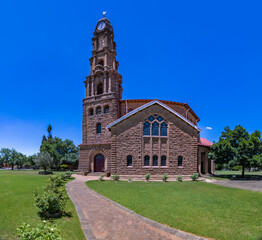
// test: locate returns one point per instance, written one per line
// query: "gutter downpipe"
(186, 112)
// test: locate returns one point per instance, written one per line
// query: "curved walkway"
(102, 218)
(242, 184)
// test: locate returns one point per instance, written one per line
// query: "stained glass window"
(98, 110)
(163, 161)
(163, 130)
(155, 129)
(146, 128)
(160, 119)
(146, 160)
(106, 109)
(129, 160)
(180, 161)
(98, 128)
(155, 160)
(151, 118)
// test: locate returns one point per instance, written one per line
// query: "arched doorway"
(99, 163)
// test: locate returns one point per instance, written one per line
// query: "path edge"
(172, 231)
(84, 223)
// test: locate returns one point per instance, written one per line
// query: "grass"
(200, 208)
(17, 205)
(223, 175)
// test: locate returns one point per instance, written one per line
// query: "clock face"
(101, 25)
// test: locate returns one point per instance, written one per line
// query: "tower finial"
(104, 14)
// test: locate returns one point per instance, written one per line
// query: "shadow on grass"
(55, 216)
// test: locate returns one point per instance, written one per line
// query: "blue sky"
(205, 53)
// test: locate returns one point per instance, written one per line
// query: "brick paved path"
(104, 219)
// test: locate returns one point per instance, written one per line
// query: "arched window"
(99, 88)
(180, 161)
(146, 128)
(129, 160)
(155, 129)
(163, 130)
(146, 160)
(155, 160)
(163, 160)
(101, 62)
(155, 125)
(91, 112)
(98, 128)
(98, 110)
(106, 109)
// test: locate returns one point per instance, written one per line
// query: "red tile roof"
(205, 142)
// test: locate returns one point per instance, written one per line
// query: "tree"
(58, 149)
(71, 159)
(31, 160)
(44, 139)
(61, 151)
(5, 154)
(20, 160)
(49, 130)
(44, 160)
(237, 147)
(13, 159)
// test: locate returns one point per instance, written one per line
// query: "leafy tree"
(20, 160)
(49, 130)
(13, 159)
(44, 160)
(61, 151)
(237, 147)
(31, 159)
(71, 159)
(5, 154)
(44, 139)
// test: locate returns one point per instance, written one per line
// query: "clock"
(101, 25)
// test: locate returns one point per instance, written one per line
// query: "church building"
(134, 137)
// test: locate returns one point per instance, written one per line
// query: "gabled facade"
(133, 137)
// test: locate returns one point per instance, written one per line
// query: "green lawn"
(196, 207)
(17, 205)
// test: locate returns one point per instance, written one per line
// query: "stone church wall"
(181, 141)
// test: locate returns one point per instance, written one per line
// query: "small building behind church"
(134, 137)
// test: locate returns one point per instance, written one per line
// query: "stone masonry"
(112, 128)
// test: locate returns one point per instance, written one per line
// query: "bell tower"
(103, 87)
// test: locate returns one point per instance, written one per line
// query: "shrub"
(42, 231)
(195, 176)
(66, 175)
(130, 179)
(179, 178)
(165, 177)
(101, 178)
(237, 168)
(147, 176)
(52, 202)
(53, 183)
(64, 166)
(116, 177)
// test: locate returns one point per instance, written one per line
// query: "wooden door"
(99, 163)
